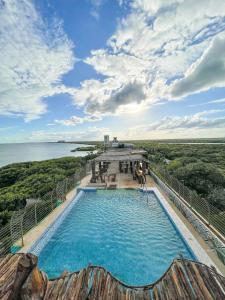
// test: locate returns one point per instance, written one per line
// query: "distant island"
(88, 148)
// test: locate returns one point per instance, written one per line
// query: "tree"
(217, 198)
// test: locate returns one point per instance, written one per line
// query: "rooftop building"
(125, 171)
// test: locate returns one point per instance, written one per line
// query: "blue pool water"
(118, 230)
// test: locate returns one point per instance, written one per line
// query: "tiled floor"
(126, 181)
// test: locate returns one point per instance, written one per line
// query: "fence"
(25, 219)
(208, 220)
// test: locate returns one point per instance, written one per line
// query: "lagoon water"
(21, 152)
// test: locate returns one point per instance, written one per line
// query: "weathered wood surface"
(14, 270)
(20, 278)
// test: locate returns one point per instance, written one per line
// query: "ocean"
(21, 152)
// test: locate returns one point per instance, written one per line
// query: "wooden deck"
(20, 278)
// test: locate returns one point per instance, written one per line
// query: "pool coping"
(188, 238)
(44, 238)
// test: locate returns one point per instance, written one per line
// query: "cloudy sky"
(138, 69)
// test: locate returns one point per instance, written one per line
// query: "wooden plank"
(80, 285)
(221, 280)
(210, 282)
(184, 280)
(93, 289)
(146, 295)
(201, 283)
(70, 287)
(170, 288)
(184, 286)
(13, 273)
(66, 287)
(156, 295)
(107, 286)
(34, 286)
(197, 293)
(175, 281)
(4, 260)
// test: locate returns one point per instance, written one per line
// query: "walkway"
(33, 234)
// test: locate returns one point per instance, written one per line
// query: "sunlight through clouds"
(154, 46)
(152, 56)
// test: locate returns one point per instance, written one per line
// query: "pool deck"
(32, 235)
(126, 181)
(186, 225)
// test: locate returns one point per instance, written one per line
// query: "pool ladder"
(145, 190)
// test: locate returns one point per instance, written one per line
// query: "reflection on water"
(20, 152)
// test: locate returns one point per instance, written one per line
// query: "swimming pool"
(120, 230)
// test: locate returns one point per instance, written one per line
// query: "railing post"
(179, 189)
(51, 199)
(191, 201)
(66, 186)
(11, 230)
(74, 179)
(209, 211)
(21, 228)
(35, 213)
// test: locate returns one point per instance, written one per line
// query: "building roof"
(121, 155)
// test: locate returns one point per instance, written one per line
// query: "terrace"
(116, 169)
(119, 168)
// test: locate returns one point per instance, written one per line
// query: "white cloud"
(153, 46)
(34, 57)
(95, 9)
(203, 124)
(197, 121)
(90, 134)
(127, 94)
(75, 120)
(206, 73)
(209, 123)
(217, 101)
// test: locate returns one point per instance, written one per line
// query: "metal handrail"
(206, 210)
(28, 217)
(144, 187)
(200, 215)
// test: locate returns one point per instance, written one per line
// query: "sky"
(139, 69)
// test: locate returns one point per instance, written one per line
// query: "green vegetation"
(201, 167)
(32, 180)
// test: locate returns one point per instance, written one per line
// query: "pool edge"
(189, 239)
(185, 234)
(43, 239)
